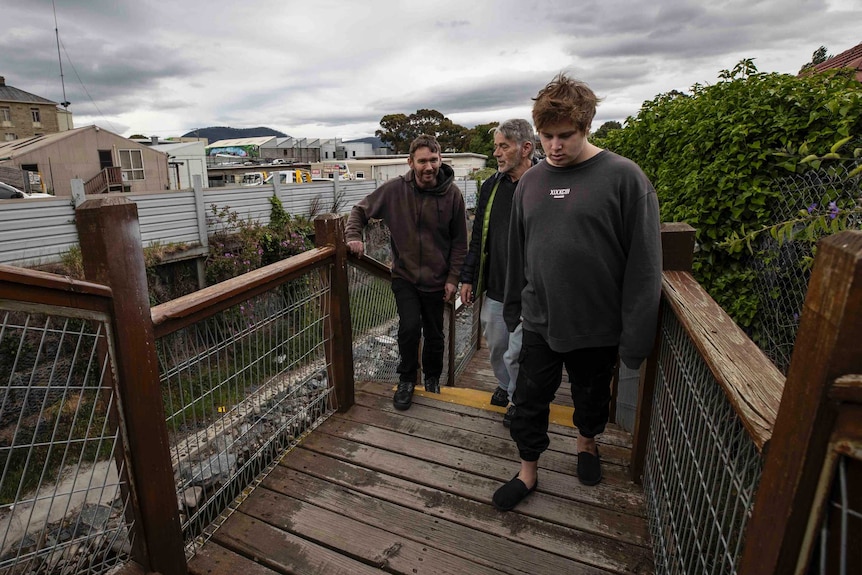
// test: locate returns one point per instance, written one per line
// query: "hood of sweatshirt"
(445, 177)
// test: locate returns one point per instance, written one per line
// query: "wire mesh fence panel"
(240, 389)
(374, 322)
(702, 468)
(374, 318)
(813, 204)
(64, 498)
(837, 549)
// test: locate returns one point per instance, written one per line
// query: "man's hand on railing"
(466, 294)
(449, 293)
(356, 247)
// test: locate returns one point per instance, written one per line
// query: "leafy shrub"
(241, 245)
(714, 154)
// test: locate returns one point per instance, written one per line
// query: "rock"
(192, 496)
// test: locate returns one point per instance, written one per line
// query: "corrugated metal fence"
(40, 230)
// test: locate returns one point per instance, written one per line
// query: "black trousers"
(541, 370)
(420, 313)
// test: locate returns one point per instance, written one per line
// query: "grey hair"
(518, 131)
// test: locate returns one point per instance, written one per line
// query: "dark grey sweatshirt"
(584, 267)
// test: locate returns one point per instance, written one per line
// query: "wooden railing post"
(677, 252)
(827, 347)
(329, 231)
(110, 241)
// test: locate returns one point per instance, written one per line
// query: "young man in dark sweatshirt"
(424, 211)
(583, 279)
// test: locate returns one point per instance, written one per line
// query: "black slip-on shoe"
(403, 395)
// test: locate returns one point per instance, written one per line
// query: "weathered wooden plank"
(465, 498)
(277, 548)
(467, 542)
(488, 423)
(391, 552)
(484, 460)
(213, 559)
(613, 435)
(474, 440)
(403, 456)
(751, 381)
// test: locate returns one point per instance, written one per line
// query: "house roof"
(13, 148)
(851, 58)
(13, 94)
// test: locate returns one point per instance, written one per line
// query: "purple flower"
(812, 207)
(833, 210)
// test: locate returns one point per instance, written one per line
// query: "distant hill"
(216, 133)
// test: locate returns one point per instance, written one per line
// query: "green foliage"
(818, 57)
(712, 158)
(606, 128)
(398, 130)
(480, 140)
(240, 246)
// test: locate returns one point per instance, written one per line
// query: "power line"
(113, 129)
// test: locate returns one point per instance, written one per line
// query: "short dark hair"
(519, 131)
(425, 141)
(565, 99)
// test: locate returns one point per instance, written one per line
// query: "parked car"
(9, 192)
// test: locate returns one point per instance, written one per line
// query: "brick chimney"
(2, 81)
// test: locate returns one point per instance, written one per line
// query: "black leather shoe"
(507, 418)
(500, 397)
(403, 395)
(432, 384)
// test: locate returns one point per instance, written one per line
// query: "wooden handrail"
(752, 383)
(191, 308)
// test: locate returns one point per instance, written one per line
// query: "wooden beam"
(113, 255)
(329, 231)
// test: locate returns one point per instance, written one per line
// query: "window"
(37, 117)
(360, 175)
(10, 137)
(132, 164)
(5, 116)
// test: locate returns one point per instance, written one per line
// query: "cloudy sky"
(331, 68)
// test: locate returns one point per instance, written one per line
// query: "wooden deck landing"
(375, 490)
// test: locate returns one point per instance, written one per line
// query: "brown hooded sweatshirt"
(428, 228)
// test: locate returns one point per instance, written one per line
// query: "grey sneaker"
(432, 384)
(507, 417)
(403, 395)
(500, 397)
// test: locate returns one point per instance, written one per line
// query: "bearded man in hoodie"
(424, 211)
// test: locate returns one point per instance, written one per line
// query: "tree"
(398, 130)
(395, 130)
(605, 128)
(480, 140)
(818, 57)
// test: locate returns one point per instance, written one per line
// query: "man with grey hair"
(484, 270)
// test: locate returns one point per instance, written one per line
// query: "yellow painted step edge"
(560, 414)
